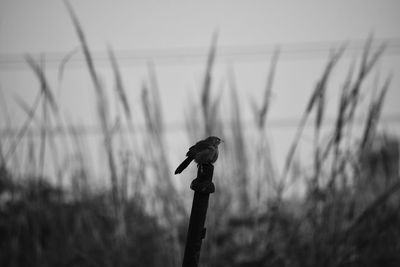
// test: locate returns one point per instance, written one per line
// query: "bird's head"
(213, 140)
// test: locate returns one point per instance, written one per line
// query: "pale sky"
(43, 26)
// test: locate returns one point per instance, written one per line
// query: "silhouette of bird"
(203, 152)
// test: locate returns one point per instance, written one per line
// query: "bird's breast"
(208, 155)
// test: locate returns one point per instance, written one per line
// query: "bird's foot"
(201, 166)
(205, 187)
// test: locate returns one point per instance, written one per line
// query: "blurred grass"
(348, 215)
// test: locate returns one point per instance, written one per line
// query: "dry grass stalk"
(365, 68)
(373, 115)
(54, 150)
(126, 149)
(7, 118)
(44, 85)
(43, 137)
(31, 156)
(5, 110)
(61, 123)
(262, 113)
(322, 86)
(38, 69)
(320, 93)
(157, 103)
(343, 104)
(2, 159)
(335, 142)
(156, 154)
(239, 144)
(192, 122)
(102, 105)
(349, 101)
(264, 171)
(25, 126)
(166, 199)
(63, 63)
(315, 98)
(43, 128)
(206, 87)
(119, 86)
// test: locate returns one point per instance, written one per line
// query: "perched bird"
(203, 152)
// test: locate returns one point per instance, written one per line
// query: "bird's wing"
(199, 146)
(208, 155)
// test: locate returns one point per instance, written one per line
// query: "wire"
(173, 127)
(185, 55)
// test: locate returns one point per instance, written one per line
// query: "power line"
(93, 130)
(185, 55)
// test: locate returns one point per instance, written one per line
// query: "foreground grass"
(40, 226)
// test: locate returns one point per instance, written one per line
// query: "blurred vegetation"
(348, 215)
(39, 226)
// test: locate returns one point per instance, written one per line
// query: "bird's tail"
(183, 165)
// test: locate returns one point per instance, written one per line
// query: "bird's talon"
(204, 187)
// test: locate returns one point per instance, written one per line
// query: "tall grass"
(349, 208)
(102, 104)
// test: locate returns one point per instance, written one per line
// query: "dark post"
(202, 187)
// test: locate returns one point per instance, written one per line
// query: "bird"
(203, 152)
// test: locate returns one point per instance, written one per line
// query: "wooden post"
(202, 187)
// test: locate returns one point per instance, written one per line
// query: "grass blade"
(239, 144)
(119, 86)
(44, 85)
(63, 63)
(24, 128)
(374, 114)
(206, 88)
(102, 105)
(262, 114)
